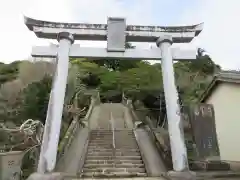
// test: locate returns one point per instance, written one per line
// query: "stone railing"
(92, 104)
(125, 101)
(74, 127)
(160, 137)
(141, 118)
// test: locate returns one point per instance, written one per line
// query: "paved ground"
(157, 178)
(148, 178)
(154, 178)
(57, 176)
(200, 176)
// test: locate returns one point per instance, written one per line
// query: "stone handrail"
(89, 112)
(128, 103)
(68, 137)
(152, 132)
(163, 149)
(124, 99)
(113, 130)
(74, 127)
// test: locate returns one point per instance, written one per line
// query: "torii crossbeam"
(100, 32)
(98, 53)
(116, 33)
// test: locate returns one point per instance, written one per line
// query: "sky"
(220, 37)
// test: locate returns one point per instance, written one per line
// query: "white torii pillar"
(175, 128)
(51, 135)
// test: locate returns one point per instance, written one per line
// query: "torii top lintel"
(98, 32)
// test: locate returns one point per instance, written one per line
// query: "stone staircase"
(103, 160)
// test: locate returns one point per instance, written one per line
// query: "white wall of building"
(226, 101)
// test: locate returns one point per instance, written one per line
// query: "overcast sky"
(220, 36)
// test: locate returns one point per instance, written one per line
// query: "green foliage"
(138, 79)
(8, 72)
(36, 97)
(192, 77)
(144, 76)
(110, 81)
(116, 64)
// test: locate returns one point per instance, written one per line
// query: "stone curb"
(214, 165)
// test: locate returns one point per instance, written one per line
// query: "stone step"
(113, 153)
(115, 132)
(112, 170)
(134, 144)
(99, 138)
(110, 142)
(110, 130)
(110, 133)
(111, 149)
(116, 150)
(113, 175)
(111, 165)
(110, 139)
(111, 161)
(103, 141)
(117, 139)
(104, 161)
(110, 146)
(104, 138)
(116, 157)
(109, 136)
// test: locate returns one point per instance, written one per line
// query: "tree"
(8, 72)
(205, 63)
(192, 77)
(36, 97)
(11, 101)
(116, 64)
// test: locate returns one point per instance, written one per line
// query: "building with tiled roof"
(224, 94)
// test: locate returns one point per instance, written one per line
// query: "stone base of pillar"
(52, 176)
(185, 175)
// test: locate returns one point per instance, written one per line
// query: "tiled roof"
(223, 76)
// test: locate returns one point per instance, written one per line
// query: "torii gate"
(116, 33)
